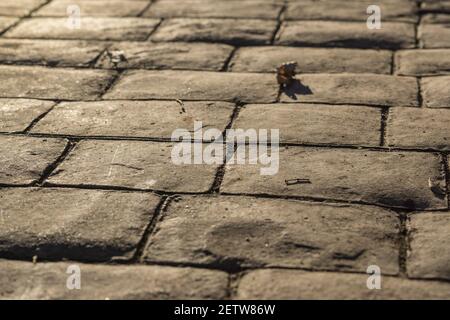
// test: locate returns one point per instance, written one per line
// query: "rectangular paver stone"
(92, 28)
(315, 123)
(45, 83)
(23, 280)
(133, 164)
(392, 10)
(230, 31)
(366, 89)
(428, 254)
(312, 60)
(393, 35)
(17, 114)
(434, 35)
(133, 118)
(74, 224)
(108, 8)
(419, 128)
(423, 62)
(397, 179)
(24, 159)
(236, 232)
(286, 284)
(215, 9)
(195, 85)
(146, 55)
(49, 52)
(436, 92)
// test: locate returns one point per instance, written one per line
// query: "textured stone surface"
(392, 10)
(315, 123)
(91, 28)
(248, 232)
(6, 22)
(369, 89)
(312, 60)
(428, 255)
(435, 18)
(423, 62)
(43, 83)
(393, 35)
(191, 85)
(108, 8)
(419, 128)
(23, 280)
(290, 284)
(435, 35)
(231, 31)
(17, 114)
(397, 179)
(133, 118)
(134, 164)
(73, 224)
(435, 92)
(145, 55)
(17, 8)
(23, 159)
(49, 52)
(215, 9)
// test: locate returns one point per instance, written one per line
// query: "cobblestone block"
(435, 35)
(423, 62)
(285, 284)
(108, 8)
(435, 92)
(366, 89)
(312, 60)
(45, 83)
(393, 35)
(315, 123)
(392, 10)
(428, 256)
(234, 232)
(23, 280)
(396, 179)
(157, 119)
(215, 9)
(230, 31)
(132, 164)
(91, 28)
(191, 85)
(74, 224)
(144, 55)
(419, 128)
(55, 53)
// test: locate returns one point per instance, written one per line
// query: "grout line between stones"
(52, 167)
(140, 249)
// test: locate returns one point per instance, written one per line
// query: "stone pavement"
(86, 176)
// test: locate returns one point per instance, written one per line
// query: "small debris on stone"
(286, 73)
(116, 57)
(436, 187)
(297, 181)
(181, 103)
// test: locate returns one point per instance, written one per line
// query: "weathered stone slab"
(235, 232)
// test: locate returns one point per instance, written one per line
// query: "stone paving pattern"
(86, 175)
